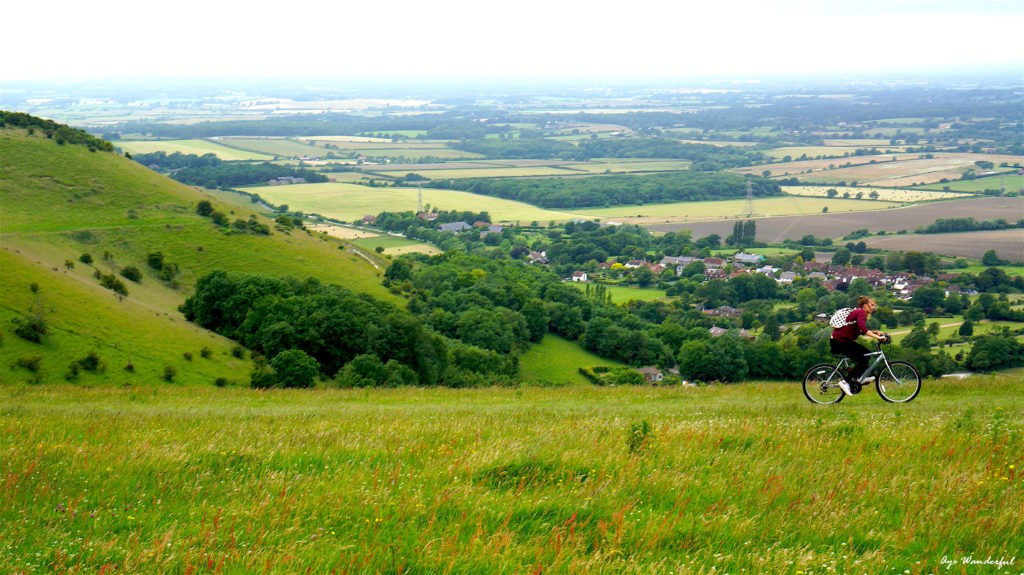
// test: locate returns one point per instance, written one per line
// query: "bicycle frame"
(845, 362)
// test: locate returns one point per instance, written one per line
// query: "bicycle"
(898, 382)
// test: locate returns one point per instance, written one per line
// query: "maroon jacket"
(851, 332)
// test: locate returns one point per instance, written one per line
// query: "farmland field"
(285, 147)
(385, 242)
(797, 167)
(496, 172)
(740, 478)
(827, 150)
(722, 209)
(908, 172)
(197, 147)
(599, 166)
(1010, 270)
(1008, 244)
(348, 202)
(343, 232)
(885, 194)
(834, 225)
(1012, 181)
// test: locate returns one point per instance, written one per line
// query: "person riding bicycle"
(844, 340)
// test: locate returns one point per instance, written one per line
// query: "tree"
(917, 339)
(536, 315)
(643, 276)
(991, 259)
(966, 328)
(831, 193)
(294, 368)
(841, 257)
(771, 327)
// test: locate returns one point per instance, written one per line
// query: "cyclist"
(844, 340)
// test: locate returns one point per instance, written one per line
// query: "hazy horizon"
(532, 41)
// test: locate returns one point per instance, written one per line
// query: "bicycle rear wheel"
(899, 383)
(821, 384)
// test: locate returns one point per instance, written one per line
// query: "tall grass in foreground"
(739, 479)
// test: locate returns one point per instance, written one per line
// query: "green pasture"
(977, 269)
(197, 147)
(949, 326)
(722, 209)
(283, 147)
(747, 478)
(374, 144)
(1011, 181)
(497, 172)
(556, 360)
(348, 202)
(624, 293)
(411, 154)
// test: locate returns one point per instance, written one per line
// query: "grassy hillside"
(61, 201)
(557, 360)
(729, 479)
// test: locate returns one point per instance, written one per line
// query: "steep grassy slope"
(60, 201)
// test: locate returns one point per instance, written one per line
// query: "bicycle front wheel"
(821, 384)
(899, 383)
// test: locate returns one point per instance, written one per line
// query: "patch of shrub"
(205, 353)
(170, 373)
(155, 260)
(238, 352)
(30, 363)
(204, 208)
(111, 282)
(221, 382)
(32, 329)
(91, 362)
(132, 273)
(85, 258)
(187, 355)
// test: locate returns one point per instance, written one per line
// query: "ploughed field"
(743, 478)
(1008, 244)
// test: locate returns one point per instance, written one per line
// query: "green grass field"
(197, 147)
(349, 202)
(728, 479)
(623, 294)
(497, 172)
(283, 147)
(385, 242)
(1012, 181)
(557, 360)
(1010, 270)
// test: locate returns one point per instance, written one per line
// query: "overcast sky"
(526, 38)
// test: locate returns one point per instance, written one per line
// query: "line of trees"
(950, 225)
(617, 189)
(211, 172)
